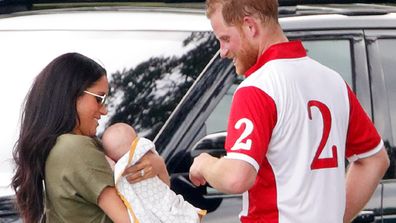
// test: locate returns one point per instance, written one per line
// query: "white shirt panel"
(295, 138)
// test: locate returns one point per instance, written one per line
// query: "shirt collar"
(285, 50)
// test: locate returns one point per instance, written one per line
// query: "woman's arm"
(162, 171)
(112, 205)
(152, 164)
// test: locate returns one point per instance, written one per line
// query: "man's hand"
(230, 176)
(196, 174)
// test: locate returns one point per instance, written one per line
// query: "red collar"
(285, 50)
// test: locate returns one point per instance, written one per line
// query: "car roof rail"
(301, 2)
(9, 6)
(353, 9)
(314, 2)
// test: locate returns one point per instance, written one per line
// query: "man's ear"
(250, 26)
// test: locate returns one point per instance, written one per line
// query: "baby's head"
(117, 140)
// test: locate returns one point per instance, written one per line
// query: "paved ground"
(226, 213)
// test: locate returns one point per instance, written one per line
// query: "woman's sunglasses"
(101, 99)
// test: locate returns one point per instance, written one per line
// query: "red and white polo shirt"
(296, 121)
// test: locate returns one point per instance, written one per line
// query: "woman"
(57, 148)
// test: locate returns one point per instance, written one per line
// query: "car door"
(204, 111)
(382, 62)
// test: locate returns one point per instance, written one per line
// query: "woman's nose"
(103, 109)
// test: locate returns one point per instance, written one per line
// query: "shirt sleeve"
(363, 139)
(250, 125)
(88, 172)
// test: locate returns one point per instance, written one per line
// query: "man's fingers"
(197, 181)
(194, 180)
(195, 176)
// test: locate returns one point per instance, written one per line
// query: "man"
(293, 122)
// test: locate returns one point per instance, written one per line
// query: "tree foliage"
(145, 96)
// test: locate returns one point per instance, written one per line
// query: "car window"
(387, 49)
(217, 120)
(335, 54)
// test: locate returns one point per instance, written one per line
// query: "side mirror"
(203, 197)
(212, 144)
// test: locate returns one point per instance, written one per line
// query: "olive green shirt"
(76, 172)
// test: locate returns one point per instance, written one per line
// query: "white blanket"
(151, 200)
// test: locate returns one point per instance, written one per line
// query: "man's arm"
(226, 175)
(362, 179)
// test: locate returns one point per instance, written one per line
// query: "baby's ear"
(111, 162)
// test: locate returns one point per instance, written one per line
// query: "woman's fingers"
(138, 172)
(133, 169)
(148, 172)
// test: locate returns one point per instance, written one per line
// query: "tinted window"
(217, 121)
(335, 54)
(387, 49)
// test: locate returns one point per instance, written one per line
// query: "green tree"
(150, 91)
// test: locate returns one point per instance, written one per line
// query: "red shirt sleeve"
(362, 135)
(251, 121)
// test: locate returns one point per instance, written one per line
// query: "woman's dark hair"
(49, 111)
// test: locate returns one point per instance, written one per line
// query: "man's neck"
(270, 36)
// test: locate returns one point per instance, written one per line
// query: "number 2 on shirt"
(246, 132)
(322, 163)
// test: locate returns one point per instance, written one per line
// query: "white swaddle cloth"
(151, 200)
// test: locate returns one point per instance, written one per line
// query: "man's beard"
(246, 57)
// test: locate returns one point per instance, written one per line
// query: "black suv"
(168, 81)
(357, 40)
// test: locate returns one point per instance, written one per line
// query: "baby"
(150, 200)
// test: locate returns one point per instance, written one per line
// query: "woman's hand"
(149, 165)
